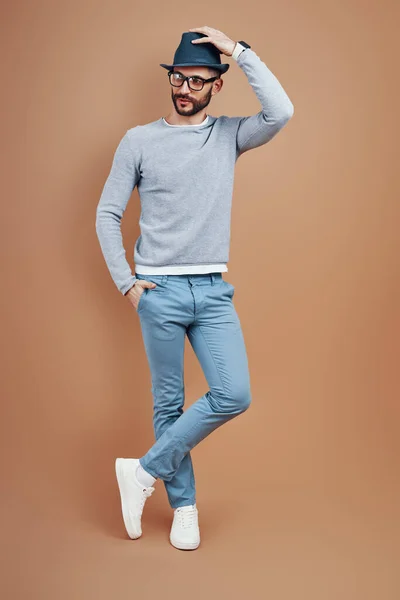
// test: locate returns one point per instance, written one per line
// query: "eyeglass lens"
(195, 83)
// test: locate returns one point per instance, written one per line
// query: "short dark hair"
(214, 72)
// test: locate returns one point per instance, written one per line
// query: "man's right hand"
(137, 290)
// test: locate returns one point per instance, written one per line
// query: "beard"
(195, 105)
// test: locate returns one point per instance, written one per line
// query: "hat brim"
(222, 68)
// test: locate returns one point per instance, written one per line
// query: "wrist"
(233, 48)
(132, 286)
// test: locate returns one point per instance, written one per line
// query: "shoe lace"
(187, 517)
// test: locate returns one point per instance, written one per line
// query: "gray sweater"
(184, 176)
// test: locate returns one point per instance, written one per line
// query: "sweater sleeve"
(276, 107)
(117, 190)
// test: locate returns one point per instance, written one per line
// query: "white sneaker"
(185, 533)
(133, 495)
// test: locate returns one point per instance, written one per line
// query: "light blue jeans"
(201, 307)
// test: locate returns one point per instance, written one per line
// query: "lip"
(184, 101)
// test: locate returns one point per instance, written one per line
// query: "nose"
(185, 87)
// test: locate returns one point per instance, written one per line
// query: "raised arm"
(277, 109)
(117, 190)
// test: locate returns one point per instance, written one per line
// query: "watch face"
(245, 44)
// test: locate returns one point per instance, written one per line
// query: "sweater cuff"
(237, 50)
(125, 289)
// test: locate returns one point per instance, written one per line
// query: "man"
(183, 165)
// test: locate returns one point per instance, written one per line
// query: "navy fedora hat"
(201, 55)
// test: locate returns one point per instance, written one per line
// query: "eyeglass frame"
(190, 77)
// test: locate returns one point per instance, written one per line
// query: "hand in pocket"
(136, 291)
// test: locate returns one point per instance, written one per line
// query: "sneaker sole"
(119, 470)
(184, 545)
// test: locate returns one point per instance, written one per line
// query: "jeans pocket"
(155, 314)
(157, 279)
(141, 299)
(230, 288)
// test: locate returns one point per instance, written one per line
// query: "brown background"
(298, 498)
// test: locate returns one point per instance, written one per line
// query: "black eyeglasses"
(195, 82)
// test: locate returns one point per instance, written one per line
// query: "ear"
(217, 86)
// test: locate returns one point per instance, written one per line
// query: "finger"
(201, 40)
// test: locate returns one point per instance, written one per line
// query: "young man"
(183, 165)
